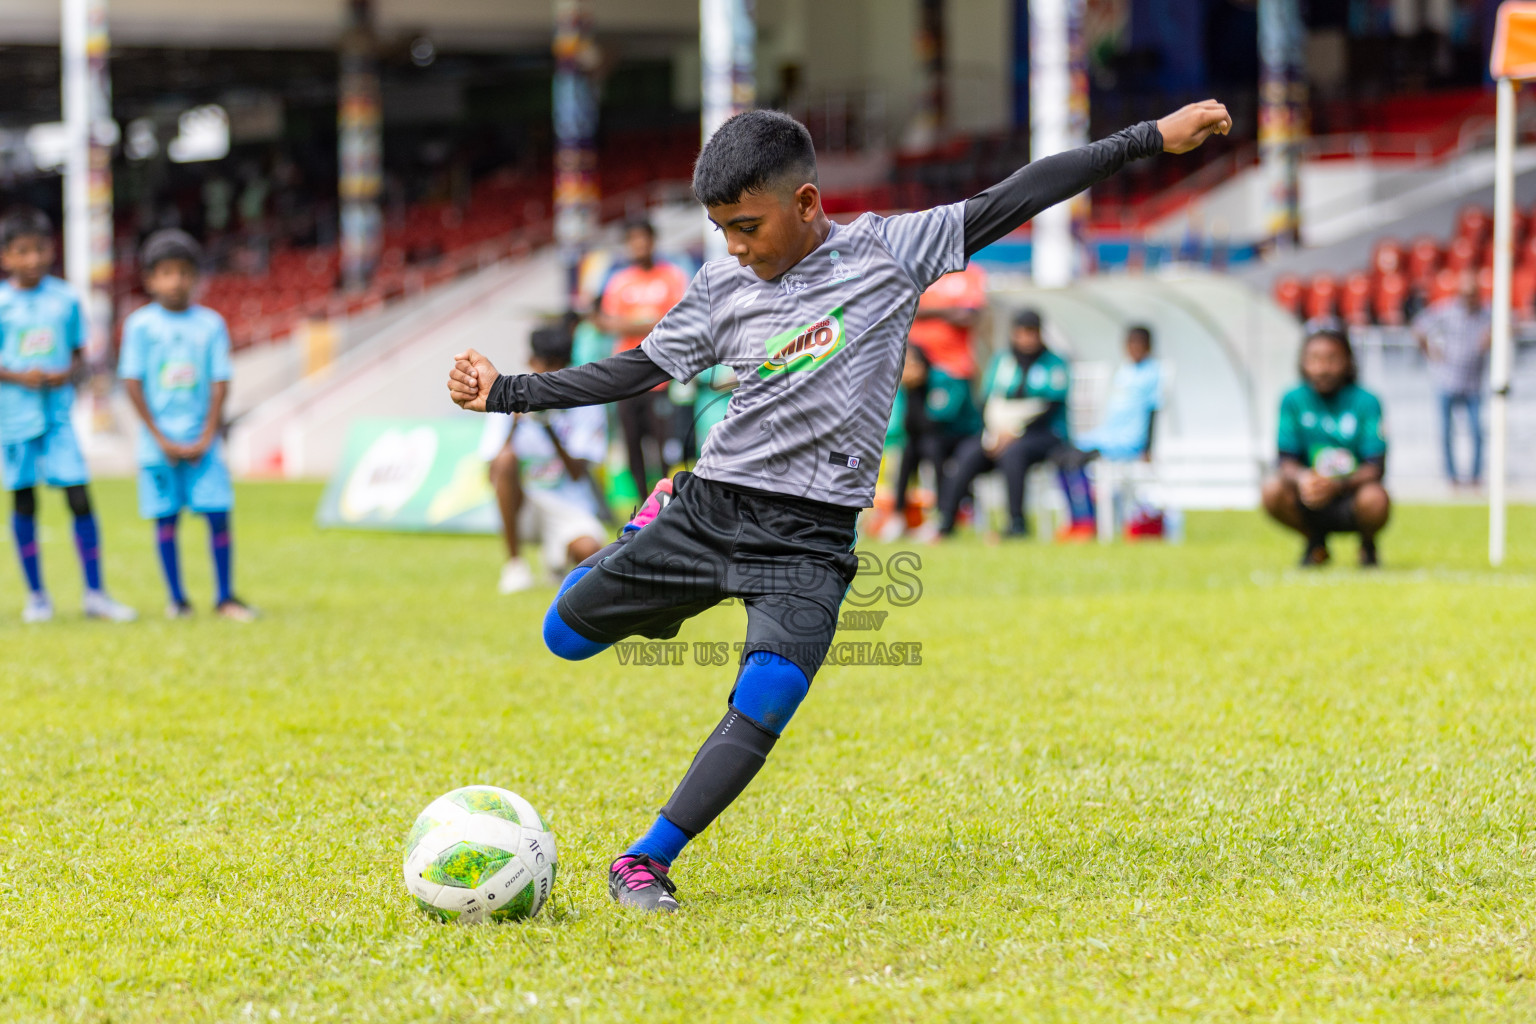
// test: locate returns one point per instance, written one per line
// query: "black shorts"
(789, 560)
(1338, 516)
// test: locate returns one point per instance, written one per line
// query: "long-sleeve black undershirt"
(989, 215)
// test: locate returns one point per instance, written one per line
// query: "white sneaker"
(515, 576)
(891, 530)
(39, 609)
(99, 605)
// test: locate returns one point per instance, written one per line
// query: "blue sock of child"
(165, 537)
(89, 547)
(768, 691)
(218, 537)
(24, 528)
(1079, 493)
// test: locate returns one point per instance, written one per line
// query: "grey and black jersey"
(817, 351)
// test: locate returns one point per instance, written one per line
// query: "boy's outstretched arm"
(474, 384)
(1005, 206)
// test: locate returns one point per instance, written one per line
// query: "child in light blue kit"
(42, 335)
(175, 367)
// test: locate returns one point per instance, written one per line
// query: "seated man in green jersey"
(1333, 454)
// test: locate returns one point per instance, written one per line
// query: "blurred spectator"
(938, 414)
(540, 468)
(1025, 423)
(1333, 454)
(1455, 335)
(1125, 430)
(635, 299)
(946, 321)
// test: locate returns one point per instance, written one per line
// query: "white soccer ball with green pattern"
(480, 854)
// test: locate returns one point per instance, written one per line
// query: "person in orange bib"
(635, 300)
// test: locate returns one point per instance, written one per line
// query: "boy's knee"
(503, 463)
(559, 637)
(769, 690)
(25, 501)
(1372, 506)
(79, 500)
(1276, 494)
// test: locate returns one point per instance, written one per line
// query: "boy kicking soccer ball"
(42, 334)
(175, 368)
(813, 318)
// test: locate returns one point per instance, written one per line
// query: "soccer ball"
(480, 853)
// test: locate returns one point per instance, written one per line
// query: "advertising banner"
(414, 475)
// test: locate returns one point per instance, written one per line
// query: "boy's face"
(170, 283)
(1027, 340)
(641, 245)
(770, 231)
(1136, 348)
(1324, 364)
(27, 259)
(538, 364)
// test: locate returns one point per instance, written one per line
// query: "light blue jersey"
(1135, 391)
(178, 357)
(40, 329)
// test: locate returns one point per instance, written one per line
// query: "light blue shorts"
(201, 486)
(56, 453)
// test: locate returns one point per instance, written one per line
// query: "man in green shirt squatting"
(1333, 454)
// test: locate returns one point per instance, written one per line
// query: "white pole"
(1054, 251)
(1503, 226)
(77, 160)
(727, 38)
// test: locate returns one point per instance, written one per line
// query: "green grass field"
(1152, 783)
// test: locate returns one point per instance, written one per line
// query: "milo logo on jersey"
(35, 341)
(804, 348)
(178, 376)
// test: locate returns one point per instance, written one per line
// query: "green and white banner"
(412, 474)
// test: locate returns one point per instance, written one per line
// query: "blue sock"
(24, 528)
(768, 691)
(560, 638)
(662, 843)
(1079, 492)
(165, 537)
(89, 547)
(218, 537)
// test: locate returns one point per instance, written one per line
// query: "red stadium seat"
(1473, 224)
(1355, 300)
(1523, 293)
(1289, 293)
(1462, 254)
(1322, 298)
(1387, 257)
(1445, 285)
(1391, 294)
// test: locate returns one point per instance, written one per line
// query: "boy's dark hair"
(1339, 338)
(1028, 318)
(640, 224)
(1141, 331)
(24, 222)
(754, 151)
(169, 244)
(551, 344)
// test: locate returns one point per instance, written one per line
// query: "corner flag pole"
(1503, 222)
(1513, 60)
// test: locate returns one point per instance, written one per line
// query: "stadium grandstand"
(919, 110)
